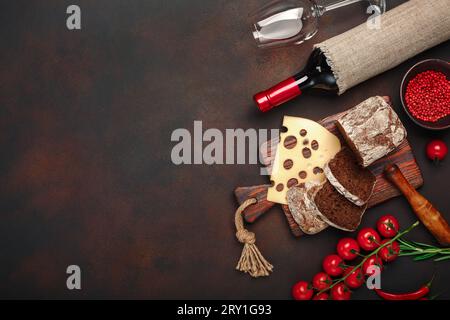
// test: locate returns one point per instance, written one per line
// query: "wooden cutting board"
(384, 190)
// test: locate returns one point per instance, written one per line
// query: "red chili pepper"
(416, 295)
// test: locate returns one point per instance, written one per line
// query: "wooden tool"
(428, 215)
(383, 191)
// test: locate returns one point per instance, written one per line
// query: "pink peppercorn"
(428, 96)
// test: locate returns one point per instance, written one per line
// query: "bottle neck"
(278, 94)
(316, 74)
(304, 79)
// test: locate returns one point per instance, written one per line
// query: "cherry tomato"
(340, 292)
(368, 239)
(436, 150)
(332, 265)
(388, 226)
(373, 260)
(355, 278)
(347, 248)
(390, 252)
(321, 296)
(302, 290)
(321, 281)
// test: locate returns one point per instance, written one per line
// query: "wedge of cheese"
(301, 155)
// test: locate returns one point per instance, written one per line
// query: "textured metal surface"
(85, 124)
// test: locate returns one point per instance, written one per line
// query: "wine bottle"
(316, 75)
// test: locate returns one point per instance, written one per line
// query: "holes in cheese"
(292, 182)
(290, 142)
(288, 164)
(303, 175)
(317, 170)
(306, 152)
(304, 149)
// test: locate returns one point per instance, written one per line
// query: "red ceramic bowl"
(431, 64)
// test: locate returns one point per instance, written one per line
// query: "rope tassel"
(251, 260)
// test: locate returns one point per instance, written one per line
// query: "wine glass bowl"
(291, 22)
(285, 22)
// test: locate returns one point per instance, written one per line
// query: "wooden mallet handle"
(427, 214)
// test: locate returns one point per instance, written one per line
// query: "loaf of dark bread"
(372, 129)
(349, 178)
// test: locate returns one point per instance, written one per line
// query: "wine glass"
(284, 22)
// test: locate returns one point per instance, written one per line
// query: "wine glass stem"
(337, 5)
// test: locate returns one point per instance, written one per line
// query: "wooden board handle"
(428, 215)
(260, 194)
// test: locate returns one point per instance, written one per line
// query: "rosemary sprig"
(422, 251)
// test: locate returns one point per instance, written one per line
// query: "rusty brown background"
(85, 124)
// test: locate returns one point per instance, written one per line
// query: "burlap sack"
(361, 53)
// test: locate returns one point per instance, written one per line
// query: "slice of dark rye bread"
(349, 178)
(336, 210)
(300, 200)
